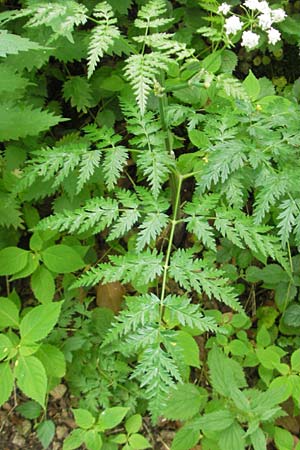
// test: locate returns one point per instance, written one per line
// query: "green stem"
(170, 243)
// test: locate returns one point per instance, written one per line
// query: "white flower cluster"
(265, 19)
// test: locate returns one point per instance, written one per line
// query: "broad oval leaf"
(182, 395)
(111, 417)
(93, 440)
(12, 260)
(74, 440)
(38, 323)
(62, 259)
(7, 382)
(43, 285)
(52, 359)
(139, 442)
(9, 314)
(5, 346)
(31, 378)
(83, 418)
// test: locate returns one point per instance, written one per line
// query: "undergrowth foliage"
(154, 170)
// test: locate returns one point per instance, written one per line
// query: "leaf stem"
(170, 243)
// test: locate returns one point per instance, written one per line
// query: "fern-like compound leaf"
(96, 214)
(150, 228)
(187, 314)
(149, 15)
(142, 71)
(114, 161)
(290, 210)
(156, 165)
(137, 268)
(103, 35)
(197, 274)
(141, 311)
(60, 15)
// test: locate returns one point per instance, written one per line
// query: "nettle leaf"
(46, 432)
(13, 44)
(30, 121)
(62, 259)
(180, 397)
(233, 437)
(9, 314)
(39, 321)
(103, 35)
(225, 373)
(78, 91)
(7, 382)
(31, 378)
(186, 437)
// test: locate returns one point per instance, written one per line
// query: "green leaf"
(13, 44)
(133, 424)
(78, 90)
(30, 121)
(52, 359)
(83, 418)
(31, 378)
(74, 440)
(7, 382)
(93, 440)
(43, 285)
(295, 360)
(139, 442)
(283, 439)
(212, 62)
(258, 440)
(62, 259)
(46, 432)
(216, 421)
(9, 314)
(268, 357)
(186, 438)
(185, 401)
(5, 346)
(291, 316)
(30, 410)
(31, 265)
(252, 86)
(225, 373)
(12, 260)
(111, 417)
(232, 438)
(38, 322)
(186, 345)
